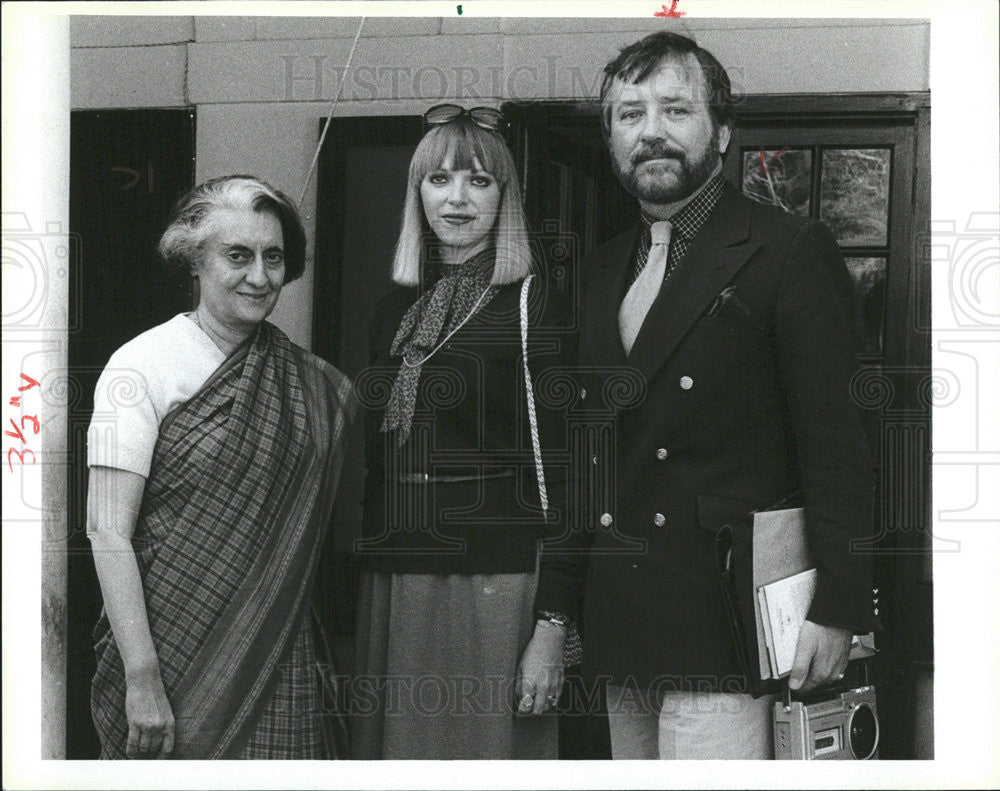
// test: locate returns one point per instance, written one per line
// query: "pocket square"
(728, 303)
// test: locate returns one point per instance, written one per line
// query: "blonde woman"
(453, 521)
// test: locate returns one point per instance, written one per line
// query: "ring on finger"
(526, 700)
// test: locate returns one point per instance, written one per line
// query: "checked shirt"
(685, 225)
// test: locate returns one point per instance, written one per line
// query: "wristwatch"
(554, 618)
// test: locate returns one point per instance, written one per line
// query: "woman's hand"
(112, 508)
(540, 671)
(150, 718)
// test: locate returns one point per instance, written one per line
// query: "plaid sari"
(228, 538)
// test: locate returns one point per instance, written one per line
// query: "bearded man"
(732, 318)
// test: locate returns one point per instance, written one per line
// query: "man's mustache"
(646, 153)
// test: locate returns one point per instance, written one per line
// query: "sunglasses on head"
(484, 117)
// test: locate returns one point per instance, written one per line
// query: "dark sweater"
(471, 421)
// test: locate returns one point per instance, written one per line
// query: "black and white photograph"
(433, 387)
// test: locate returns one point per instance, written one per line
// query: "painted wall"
(261, 85)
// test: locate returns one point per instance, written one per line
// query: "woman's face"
(461, 208)
(242, 268)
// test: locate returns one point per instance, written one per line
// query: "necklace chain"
(447, 337)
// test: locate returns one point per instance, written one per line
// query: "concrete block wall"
(260, 85)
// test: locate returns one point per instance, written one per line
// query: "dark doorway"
(361, 183)
(566, 172)
(362, 180)
(127, 168)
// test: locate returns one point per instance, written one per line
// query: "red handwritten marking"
(763, 166)
(35, 425)
(31, 383)
(17, 433)
(20, 457)
(671, 13)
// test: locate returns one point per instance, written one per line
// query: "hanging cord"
(530, 391)
(329, 115)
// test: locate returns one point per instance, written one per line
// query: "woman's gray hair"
(463, 142)
(182, 242)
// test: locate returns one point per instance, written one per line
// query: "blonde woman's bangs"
(461, 145)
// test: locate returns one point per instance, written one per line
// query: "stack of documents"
(785, 581)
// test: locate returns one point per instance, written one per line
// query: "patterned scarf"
(440, 310)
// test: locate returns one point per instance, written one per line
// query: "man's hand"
(820, 656)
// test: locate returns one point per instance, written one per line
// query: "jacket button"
(661, 453)
(593, 459)
(659, 520)
(606, 520)
(583, 393)
(686, 383)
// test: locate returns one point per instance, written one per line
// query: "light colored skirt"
(437, 661)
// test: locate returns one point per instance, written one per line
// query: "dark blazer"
(736, 394)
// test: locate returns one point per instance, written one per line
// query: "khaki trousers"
(690, 726)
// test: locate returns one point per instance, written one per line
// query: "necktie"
(641, 295)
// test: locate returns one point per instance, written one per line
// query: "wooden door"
(861, 165)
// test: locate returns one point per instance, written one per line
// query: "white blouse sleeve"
(125, 426)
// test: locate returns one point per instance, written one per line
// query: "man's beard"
(687, 178)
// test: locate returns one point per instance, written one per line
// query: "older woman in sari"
(215, 450)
